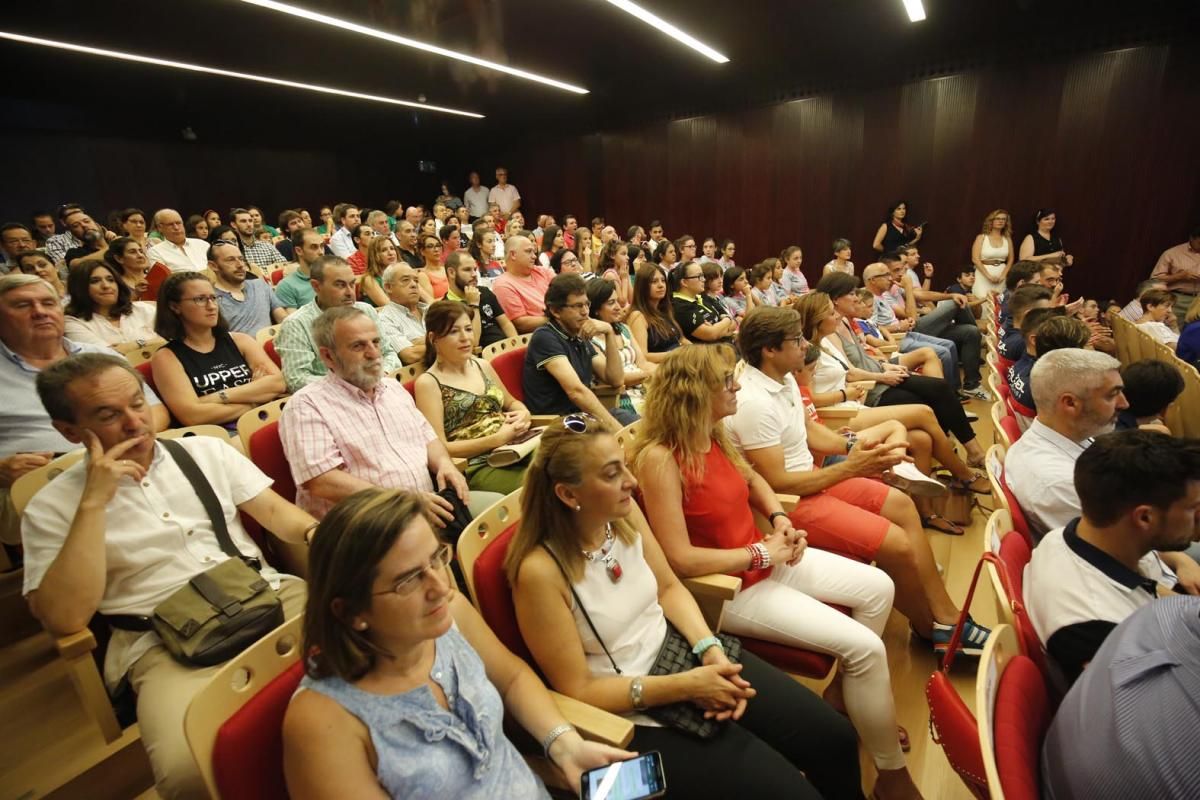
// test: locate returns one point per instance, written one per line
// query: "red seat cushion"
(1020, 523)
(266, 451)
(495, 595)
(147, 375)
(1015, 553)
(808, 663)
(1017, 407)
(1021, 719)
(248, 753)
(269, 348)
(510, 365)
(1010, 426)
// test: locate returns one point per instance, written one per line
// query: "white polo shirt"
(1040, 471)
(505, 196)
(191, 256)
(157, 534)
(1076, 594)
(769, 414)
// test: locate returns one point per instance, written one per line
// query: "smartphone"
(636, 779)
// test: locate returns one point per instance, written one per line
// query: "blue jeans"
(947, 352)
(624, 416)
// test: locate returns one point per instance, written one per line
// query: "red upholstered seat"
(1011, 427)
(1016, 407)
(266, 450)
(147, 374)
(269, 348)
(495, 595)
(154, 278)
(1005, 392)
(1014, 555)
(509, 366)
(808, 663)
(411, 388)
(1020, 523)
(276, 277)
(248, 753)
(1022, 716)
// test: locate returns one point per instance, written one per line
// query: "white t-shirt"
(476, 201)
(157, 534)
(770, 414)
(506, 196)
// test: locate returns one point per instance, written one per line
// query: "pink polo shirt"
(523, 297)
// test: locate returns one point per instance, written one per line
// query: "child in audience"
(1157, 305)
(1150, 388)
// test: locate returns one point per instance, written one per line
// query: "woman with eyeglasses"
(205, 373)
(605, 307)
(102, 310)
(406, 688)
(699, 322)
(381, 254)
(589, 578)
(566, 261)
(651, 318)
(465, 401)
(699, 494)
(36, 262)
(131, 222)
(433, 274)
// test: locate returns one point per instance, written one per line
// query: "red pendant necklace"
(604, 555)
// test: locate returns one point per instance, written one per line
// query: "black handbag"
(220, 612)
(674, 656)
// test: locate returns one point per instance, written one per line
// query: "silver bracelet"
(635, 694)
(552, 737)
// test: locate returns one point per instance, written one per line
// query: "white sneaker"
(910, 480)
(971, 416)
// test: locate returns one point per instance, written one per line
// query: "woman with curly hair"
(992, 254)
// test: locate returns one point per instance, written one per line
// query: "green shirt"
(295, 290)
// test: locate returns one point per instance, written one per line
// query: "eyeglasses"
(200, 299)
(433, 247)
(692, 277)
(799, 340)
(578, 306)
(412, 581)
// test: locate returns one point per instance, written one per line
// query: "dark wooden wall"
(1109, 139)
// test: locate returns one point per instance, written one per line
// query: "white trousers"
(790, 608)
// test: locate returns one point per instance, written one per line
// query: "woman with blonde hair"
(703, 495)
(596, 601)
(406, 688)
(992, 254)
(381, 254)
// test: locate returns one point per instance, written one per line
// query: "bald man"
(176, 250)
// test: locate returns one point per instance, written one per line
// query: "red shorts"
(845, 518)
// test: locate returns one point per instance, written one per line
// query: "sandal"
(939, 523)
(980, 484)
(905, 744)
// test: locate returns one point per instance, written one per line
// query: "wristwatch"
(775, 514)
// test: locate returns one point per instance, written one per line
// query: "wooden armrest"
(788, 501)
(594, 723)
(460, 464)
(537, 420)
(609, 396)
(721, 587)
(838, 412)
(888, 349)
(75, 645)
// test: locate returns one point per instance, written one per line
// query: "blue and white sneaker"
(974, 637)
(976, 392)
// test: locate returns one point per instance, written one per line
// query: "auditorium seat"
(147, 375)
(508, 359)
(1004, 496)
(154, 279)
(269, 349)
(1013, 712)
(407, 376)
(258, 429)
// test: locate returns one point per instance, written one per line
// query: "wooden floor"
(38, 704)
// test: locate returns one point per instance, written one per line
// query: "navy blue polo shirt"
(543, 394)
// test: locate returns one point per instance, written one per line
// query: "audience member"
(926, 360)
(101, 309)
(176, 251)
(666, 255)
(347, 218)
(466, 403)
(290, 221)
(735, 293)
(1150, 388)
(402, 320)
(296, 288)
(1043, 244)
(698, 493)
(381, 254)
(651, 318)
(656, 236)
(521, 290)
(1156, 305)
(1133, 310)
(432, 272)
(332, 429)
(452, 242)
(895, 232)
(1019, 274)
(94, 239)
(246, 306)
(1178, 268)
(475, 197)
(333, 285)
(877, 279)
(207, 372)
(1045, 330)
(58, 244)
(256, 216)
(489, 322)
(708, 250)
(1011, 345)
(561, 360)
(1188, 347)
(380, 569)
(596, 600)
(964, 284)
(762, 284)
(380, 226)
(36, 262)
(1139, 494)
(992, 253)
(1126, 729)
(15, 239)
(43, 227)
(107, 536)
(361, 237)
(1078, 395)
(605, 307)
(504, 194)
(262, 255)
(841, 258)
(698, 321)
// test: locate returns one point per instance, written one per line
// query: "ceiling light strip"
(667, 28)
(162, 62)
(915, 9)
(403, 41)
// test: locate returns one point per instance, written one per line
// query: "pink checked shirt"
(332, 424)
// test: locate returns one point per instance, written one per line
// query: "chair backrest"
(154, 279)
(1011, 427)
(1005, 364)
(1004, 495)
(266, 334)
(234, 724)
(147, 374)
(503, 346)
(138, 354)
(510, 367)
(1017, 408)
(627, 435)
(258, 429)
(269, 349)
(26, 486)
(276, 277)
(1013, 710)
(999, 412)
(407, 376)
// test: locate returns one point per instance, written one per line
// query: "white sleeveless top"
(989, 253)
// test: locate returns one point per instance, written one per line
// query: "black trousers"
(785, 731)
(937, 394)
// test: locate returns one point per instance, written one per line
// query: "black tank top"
(1043, 246)
(893, 238)
(223, 368)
